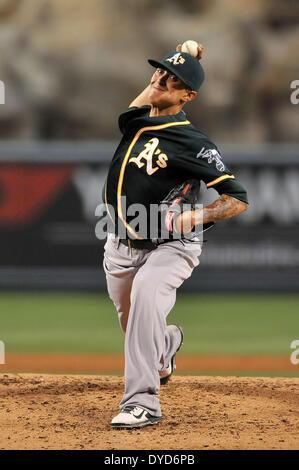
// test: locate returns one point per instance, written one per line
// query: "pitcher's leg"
(152, 297)
(120, 266)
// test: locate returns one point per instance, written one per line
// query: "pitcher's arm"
(142, 99)
(223, 208)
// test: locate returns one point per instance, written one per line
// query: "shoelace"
(132, 409)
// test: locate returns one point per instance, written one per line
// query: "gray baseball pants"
(142, 285)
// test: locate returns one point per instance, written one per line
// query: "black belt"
(142, 244)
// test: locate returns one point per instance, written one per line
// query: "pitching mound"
(74, 412)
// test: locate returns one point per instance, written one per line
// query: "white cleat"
(134, 417)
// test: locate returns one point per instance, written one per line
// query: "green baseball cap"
(186, 67)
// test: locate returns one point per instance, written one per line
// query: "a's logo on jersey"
(151, 149)
(176, 59)
(212, 156)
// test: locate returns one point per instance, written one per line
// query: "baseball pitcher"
(161, 158)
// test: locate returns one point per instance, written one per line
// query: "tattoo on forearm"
(224, 208)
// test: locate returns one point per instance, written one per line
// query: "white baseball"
(191, 47)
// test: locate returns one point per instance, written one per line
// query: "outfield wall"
(49, 192)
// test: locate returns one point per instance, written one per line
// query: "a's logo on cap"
(176, 59)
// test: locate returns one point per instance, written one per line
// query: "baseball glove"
(182, 197)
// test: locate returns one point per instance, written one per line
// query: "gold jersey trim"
(217, 180)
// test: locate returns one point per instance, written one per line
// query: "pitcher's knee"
(146, 287)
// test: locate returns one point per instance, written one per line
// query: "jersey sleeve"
(206, 164)
(131, 113)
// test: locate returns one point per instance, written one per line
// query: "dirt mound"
(103, 364)
(74, 412)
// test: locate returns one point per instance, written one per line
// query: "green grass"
(238, 324)
(213, 324)
(59, 322)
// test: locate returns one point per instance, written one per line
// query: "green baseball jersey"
(157, 153)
